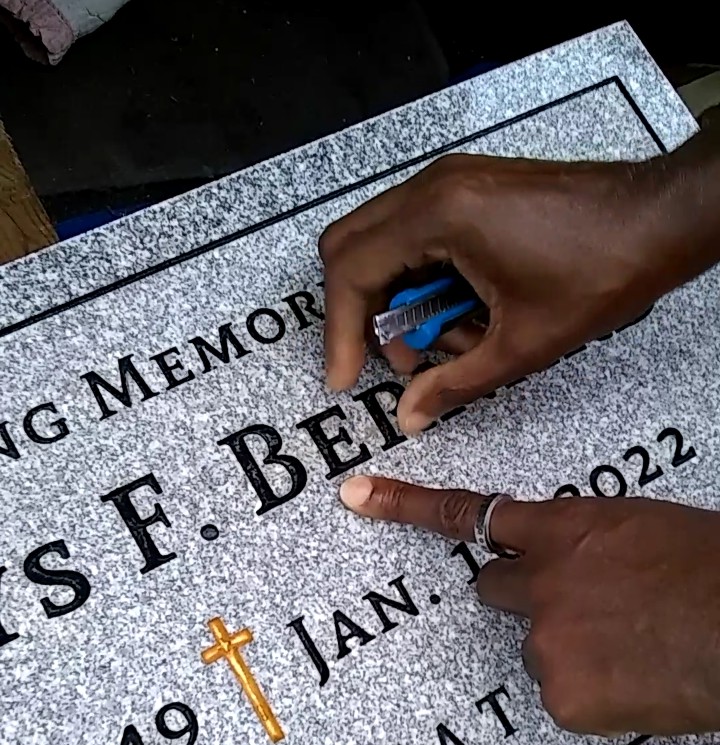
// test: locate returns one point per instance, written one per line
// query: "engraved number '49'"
(190, 727)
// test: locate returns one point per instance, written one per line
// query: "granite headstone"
(170, 455)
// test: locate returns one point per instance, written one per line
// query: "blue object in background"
(82, 223)
(475, 70)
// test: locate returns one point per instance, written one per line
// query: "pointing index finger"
(515, 525)
(450, 512)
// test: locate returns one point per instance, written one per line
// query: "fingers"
(401, 357)
(363, 253)
(461, 381)
(530, 659)
(450, 512)
(370, 213)
(517, 526)
(461, 340)
(405, 360)
(344, 333)
(361, 258)
(503, 584)
(357, 274)
(521, 526)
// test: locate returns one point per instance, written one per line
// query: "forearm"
(683, 215)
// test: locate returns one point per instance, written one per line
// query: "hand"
(560, 252)
(623, 597)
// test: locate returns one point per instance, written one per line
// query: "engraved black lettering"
(294, 468)
(128, 372)
(637, 320)
(8, 448)
(370, 399)
(354, 632)
(446, 737)
(131, 736)
(463, 550)
(169, 368)
(5, 637)
(678, 457)
(270, 313)
(595, 477)
(189, 728)
(227, 339)
(300, 311)
(575, 351)
(38, 574)
(569, 489)
(492, 699)
(138, 526)
(406, 605)
(645, 477)
(311, 648)
(327, 445)
(58, 428)
(453, 413)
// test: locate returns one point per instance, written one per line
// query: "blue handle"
(425, 335)
(418, 294)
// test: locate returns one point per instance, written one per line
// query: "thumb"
(457, 382)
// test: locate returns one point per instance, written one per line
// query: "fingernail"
(356, 491)
(415, 422)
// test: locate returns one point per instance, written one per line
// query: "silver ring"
(482, 527)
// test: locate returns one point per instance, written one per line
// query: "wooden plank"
(24, 224)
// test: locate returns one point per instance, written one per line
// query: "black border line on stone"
(230, 237)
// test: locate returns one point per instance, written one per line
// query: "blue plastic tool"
(422, 314)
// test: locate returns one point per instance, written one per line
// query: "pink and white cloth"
(46, 29)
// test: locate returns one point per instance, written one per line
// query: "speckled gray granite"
(89, 672)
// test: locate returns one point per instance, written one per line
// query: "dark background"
(173, 93)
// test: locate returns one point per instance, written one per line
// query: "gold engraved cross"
(228, 646)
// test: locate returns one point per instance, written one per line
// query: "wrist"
(677, 198)
(702, 695)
